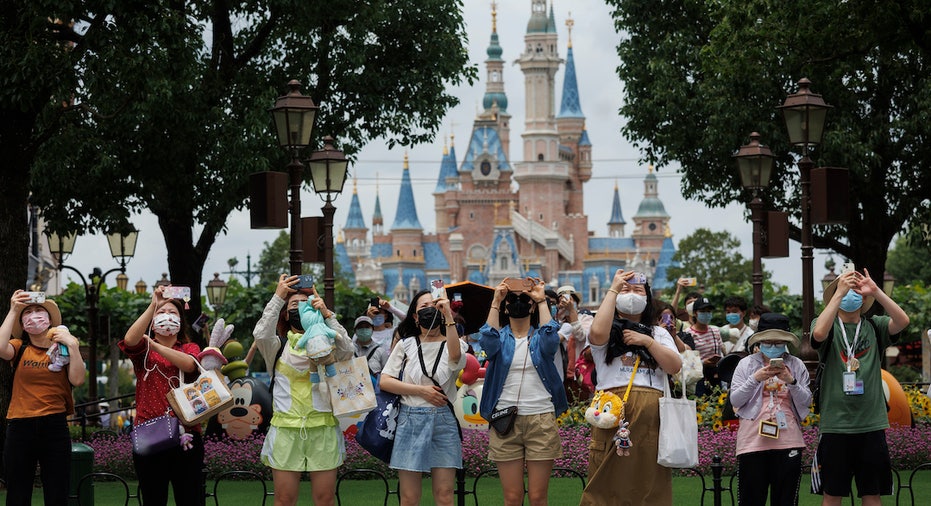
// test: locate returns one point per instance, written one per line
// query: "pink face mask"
(36, 322)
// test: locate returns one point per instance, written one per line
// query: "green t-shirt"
(854, 414)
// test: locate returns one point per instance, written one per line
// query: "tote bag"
(678, 431)
(691, 367)
(351, 390)
(195, 402)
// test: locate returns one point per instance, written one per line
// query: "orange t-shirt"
(36, 390)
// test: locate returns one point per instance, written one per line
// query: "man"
(735, 333)
(375, 355)
(573, 332)
(708, 343)
(853, 410)
(382, 317)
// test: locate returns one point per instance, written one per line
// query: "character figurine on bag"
(318, 341)
(622, 440)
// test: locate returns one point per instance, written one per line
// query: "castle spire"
(571, 106)
(355, 221)
(406, 216)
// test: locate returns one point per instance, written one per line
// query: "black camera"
(617, 347)
(374, 302)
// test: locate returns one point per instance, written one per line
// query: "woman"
(771, 400)
(301, 438)
(427, 438)
(636, 478)
(40, 402)
(158, 344)
(521, 372)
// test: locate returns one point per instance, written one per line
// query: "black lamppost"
(122, 247)
(804, 113)
(755, 163)
(328, 169)
(294, 116)
(216, 292)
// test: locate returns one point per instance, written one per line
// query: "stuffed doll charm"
(605, 411)
(318, 340)
(212, 357)
(58, 354)
(622, 439)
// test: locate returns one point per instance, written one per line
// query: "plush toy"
(58, 355)
(605, 411)
(319, 341)
(212, 357)
(236, 368)
(622, 439)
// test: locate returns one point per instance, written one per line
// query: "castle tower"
(356, 233)
(495, 100)
(651, 219)
(406, 231)
(616, 222)
(378, 221)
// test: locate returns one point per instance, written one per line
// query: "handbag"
(205, 396)
(351, 390)
(155, 435)
(376, 435)
(678, 431)
(692, 368)
(502, 420)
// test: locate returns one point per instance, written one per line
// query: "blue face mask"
(851, 302)
(378, 320)
(732, 318)
(773, 350)
(703, 317)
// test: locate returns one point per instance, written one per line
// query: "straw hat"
(772, 327)
(54, 316)
(570, 290)
(829, 294)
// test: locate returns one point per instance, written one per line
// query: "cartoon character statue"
(58, 355)
(211, 357)
(318, 342)
(606, 410)
(622, 439)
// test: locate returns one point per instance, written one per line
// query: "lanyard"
(850, 347)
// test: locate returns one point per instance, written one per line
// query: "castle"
(486, 230)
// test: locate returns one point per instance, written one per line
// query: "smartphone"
(304, 281)
(457, 297)
(847, 267)
(690, 281)
(776, 362)
(518, 284)
(177, 292)
(637, 279)
(35, 297)
(373, 302)
(437, 290)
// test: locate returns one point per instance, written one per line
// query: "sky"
(615, 160)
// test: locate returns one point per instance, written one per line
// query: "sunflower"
(722, 398)
(699, 418)
(717, 426)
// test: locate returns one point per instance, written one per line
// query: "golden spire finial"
(340, 239)
(445, 147)
(452, 140)
(494, 17)
(650, 168)
(615, 185)
(569, 24)
(355, 185)
(406, 166)
(668, 231)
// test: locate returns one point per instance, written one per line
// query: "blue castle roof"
(406, 217)
(617, 217)
(571, 107)
(355, 221)
(447, 170)
(482, 137)
(662, 264)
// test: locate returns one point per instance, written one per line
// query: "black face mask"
(519, 308)
(429, 318)
(294, 319)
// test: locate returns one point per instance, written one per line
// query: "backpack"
(283, 341)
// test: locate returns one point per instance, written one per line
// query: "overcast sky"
(615, 160)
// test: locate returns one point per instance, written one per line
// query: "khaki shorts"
(534, 437)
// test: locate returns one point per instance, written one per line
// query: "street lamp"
(328, 169)
(830, 276)
(755, 163)
(888, 283)
(122, 248)
(804, 113)
(294, 116)
(216, 291)
(141, 287)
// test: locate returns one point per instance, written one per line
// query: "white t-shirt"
(617, 373)
(446, 373)
(523, 386)
(737, 339)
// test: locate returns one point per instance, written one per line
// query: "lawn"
(563, 491)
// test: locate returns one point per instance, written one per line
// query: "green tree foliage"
(908, 261)
(712, 257)
(169, 107)
(700, 76)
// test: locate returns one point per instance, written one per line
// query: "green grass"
(562, 491)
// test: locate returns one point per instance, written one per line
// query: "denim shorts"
(426, 438)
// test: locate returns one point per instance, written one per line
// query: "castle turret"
(616, 222)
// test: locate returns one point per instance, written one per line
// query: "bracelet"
(615, 291)
(495, 308)
(650, 344)
(539, 301)
(794, 381)
(450, 324)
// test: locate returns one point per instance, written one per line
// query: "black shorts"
(864, 457)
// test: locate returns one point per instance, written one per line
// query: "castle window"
(415, 253)
(471, 215)
(540, 157)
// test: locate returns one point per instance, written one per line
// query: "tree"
(908, 261)
(712, 257)
(700, 76)
(170, 115)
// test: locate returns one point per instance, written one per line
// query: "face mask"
(378, 320)
(364, 334)
(630, 303)
(704, 317)
(773, 350)
(36, 322)
(429, 318)
(520, 308)
(689, 307)
(732, 318)
(851, 302)
(753, 323)
(294, 319)
(166, 324)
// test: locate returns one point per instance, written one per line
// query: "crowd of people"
(541, 351)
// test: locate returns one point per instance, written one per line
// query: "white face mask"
(166, 324)
(689, 307)
(753, 323)
(630, 303)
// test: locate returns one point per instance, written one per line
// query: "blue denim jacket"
(499, 348)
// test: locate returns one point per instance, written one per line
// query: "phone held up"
(35, 297)
(518, 284)
(373, 302)
(436, 289)
(177, 292)
(304, 281)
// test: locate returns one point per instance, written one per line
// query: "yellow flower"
(717, 426)
(700, 418)
(722, 398)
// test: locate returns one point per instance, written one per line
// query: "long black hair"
(504, 319)
(616, 346)
(409, 327)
